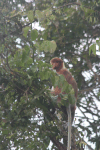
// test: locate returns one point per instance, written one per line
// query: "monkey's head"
(57, 63)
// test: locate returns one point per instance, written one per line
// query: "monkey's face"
(57, 63)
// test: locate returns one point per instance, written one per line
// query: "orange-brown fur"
(58, 65)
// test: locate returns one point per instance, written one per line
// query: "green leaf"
(43, 14)
(25, 30)
(53, 46)
(38, 13)
(27, 48)
(24, 56)
(25, 53)
(34, 35)
(56, 81)
(64, 87)
(48, 46)
(30, 16)
(52, 78)
(62, 79)
(92, 48)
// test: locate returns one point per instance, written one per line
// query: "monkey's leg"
(69, 127)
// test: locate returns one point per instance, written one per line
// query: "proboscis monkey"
(58, 65)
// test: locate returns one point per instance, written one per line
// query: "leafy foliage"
(29, 114)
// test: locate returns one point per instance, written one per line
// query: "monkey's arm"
(56, 91)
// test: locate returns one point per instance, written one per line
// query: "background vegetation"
(70, 29)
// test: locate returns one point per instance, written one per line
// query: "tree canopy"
(70, 30)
